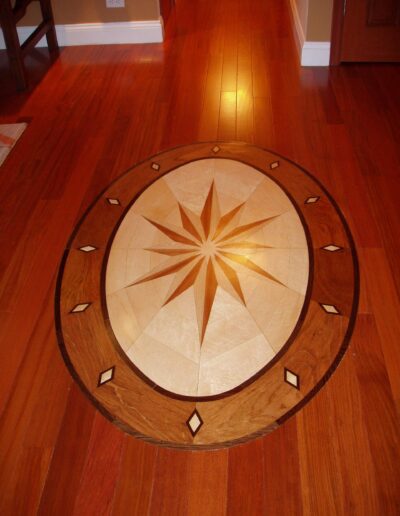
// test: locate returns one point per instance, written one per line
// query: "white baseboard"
(100, 33)
(316, 53)
(312, 53)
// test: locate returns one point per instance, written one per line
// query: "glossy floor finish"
(195, 257)
(236, 323)
(225, 72)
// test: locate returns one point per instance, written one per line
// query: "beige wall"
(319, 20)
(315, 17)
(86, 11)
(302, 11)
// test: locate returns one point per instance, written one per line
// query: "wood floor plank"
(32, 470)
(69, 456)
(208, 476)
(323, 488)
(31, 420)
(352, 440)
(246, 479)
(136, 478)
(170, 484)
(282, 482)
(99, 475)
(386, 307)
(245, 101)
(28, 282)
(208, 125)
(379, 414)
(226, 70)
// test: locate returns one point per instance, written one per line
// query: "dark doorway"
(366, 31)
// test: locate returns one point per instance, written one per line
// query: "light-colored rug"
(9, 135)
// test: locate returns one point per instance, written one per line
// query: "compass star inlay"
(206, 248)
(206, 277)
(209, 295)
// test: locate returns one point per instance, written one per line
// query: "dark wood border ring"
(261, 404)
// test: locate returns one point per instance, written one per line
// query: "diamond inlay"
(216, 149)
(332, 248)
(330, 309)
(155, 166)
(312, 200)
(80, 308)
(114, 202)
(273, 165)
(106, 376)
(194, 423)
(292, 378)
(87, 248)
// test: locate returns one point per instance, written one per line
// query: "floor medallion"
(207, 294)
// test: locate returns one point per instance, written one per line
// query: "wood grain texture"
(283, 490)
(246, 479)
(135, 483)
(311, 349)
(96, 489)
(69, 457)
(92, 115)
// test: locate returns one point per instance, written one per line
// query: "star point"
(204, 253)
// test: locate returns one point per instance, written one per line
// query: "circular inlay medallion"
(205, 288)
(207, 294)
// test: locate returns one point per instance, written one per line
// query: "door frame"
(165, 14)
(337, 32)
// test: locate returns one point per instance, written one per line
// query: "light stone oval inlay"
(206, 277)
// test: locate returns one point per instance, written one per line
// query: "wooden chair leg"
(13, 46)
(51, 36)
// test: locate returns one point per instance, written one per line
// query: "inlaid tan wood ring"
(207, 294)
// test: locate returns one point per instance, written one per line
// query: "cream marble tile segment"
(236, 182)
(148, 203)
(233, 367)
(275, 309)
(229, 326)
(267, 200)
(176, 323)
(133, 233)
(225, 283)
(284, 232)
(191, 183)
(130, 311)
(289, 266)
(172, 370)
(211, 265)
(9, 135)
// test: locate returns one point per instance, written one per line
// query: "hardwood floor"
(227, 72)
